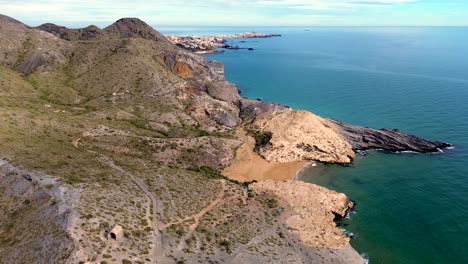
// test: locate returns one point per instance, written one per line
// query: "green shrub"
(139, 123)
(261, 138)
(209, 172)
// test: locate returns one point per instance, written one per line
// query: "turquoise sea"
(411, 208)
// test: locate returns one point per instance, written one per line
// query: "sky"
(76, 13)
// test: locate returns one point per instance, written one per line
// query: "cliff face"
(140, 129)
(301, 135)
(313, 225)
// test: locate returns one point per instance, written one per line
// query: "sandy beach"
(249, 166)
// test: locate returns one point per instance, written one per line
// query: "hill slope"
(117, 126)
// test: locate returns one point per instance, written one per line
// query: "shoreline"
(248, 166)
(301, 170)
(209, 44)
(202, 52)
(276, 178)
(282, 180)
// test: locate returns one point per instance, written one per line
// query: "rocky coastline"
(147, 131)
(209, 44)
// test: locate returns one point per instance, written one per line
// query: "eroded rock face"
(299, 135)
(309, 211)
(34, 206)
(181, 69)
(32, 62)
(251, 110)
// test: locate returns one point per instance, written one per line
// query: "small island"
(209, 44)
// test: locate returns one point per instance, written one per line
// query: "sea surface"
(411, 208)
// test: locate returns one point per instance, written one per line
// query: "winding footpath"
(196, 218)
(158, 250)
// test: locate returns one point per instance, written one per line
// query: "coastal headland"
(120, 129)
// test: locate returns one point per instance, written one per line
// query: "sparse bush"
(208, 171)
(261, 138)
(271, 203)
(139, 123)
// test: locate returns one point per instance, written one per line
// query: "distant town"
(209, 44)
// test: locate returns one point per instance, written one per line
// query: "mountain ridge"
(141, 129)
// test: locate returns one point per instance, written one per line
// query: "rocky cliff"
(140, 129)
(298, 135)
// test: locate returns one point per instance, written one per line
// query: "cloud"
(207, 12)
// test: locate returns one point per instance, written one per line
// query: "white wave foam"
(305, 167)
(366, 258)
(406, 151)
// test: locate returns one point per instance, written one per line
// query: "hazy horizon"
(302, 13)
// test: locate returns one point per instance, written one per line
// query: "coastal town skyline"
(243, 13)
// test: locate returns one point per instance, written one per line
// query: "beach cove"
(402, 199)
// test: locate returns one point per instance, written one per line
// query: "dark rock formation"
(362, 138)
(28, 65)
(232, 47)
(86, 33)
(253, 109)
(225, 118)
(223, 90)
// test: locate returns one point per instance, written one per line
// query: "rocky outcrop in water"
(362, 138)
(300, 135)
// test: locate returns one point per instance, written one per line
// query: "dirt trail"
(196, 217)
(200, 214)
(249, 166)
(158, 251)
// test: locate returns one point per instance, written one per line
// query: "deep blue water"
(411, 208)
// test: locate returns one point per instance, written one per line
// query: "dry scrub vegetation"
(137, 130)
(108, 118)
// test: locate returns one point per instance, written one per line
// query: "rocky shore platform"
(209, 44)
